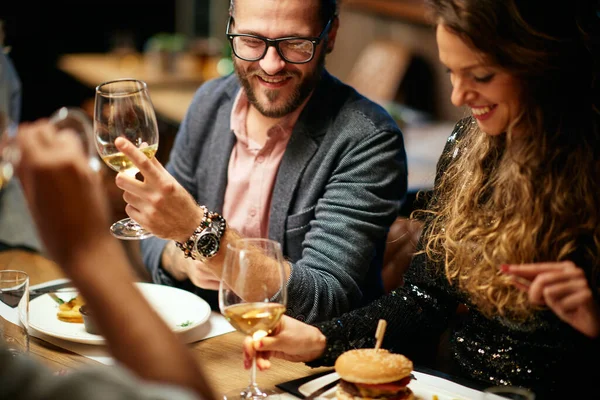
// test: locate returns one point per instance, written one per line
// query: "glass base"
(128, 229)
(252, 393)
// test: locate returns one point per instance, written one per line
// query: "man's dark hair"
(329, 9)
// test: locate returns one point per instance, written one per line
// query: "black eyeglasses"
(295, 50)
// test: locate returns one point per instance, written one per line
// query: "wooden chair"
(400, 247)
(379, 70)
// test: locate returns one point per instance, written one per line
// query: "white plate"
(180, 309)
(425, 387)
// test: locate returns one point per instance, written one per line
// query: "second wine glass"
(253, 298)
(123, 109)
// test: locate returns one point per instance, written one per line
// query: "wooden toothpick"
(379, 333)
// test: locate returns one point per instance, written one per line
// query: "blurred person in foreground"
(512, 230)
(17, 229)
(281, 150)
(68, 204)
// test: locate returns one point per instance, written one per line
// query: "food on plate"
(69, 311)
(373, 374)
(88, 320)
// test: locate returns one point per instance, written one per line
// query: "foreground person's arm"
(69, 207)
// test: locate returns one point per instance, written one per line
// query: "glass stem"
(253, 373)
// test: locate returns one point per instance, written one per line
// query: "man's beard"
(299, 94)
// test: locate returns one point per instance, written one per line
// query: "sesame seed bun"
(372, 367)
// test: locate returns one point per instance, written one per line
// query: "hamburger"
(371, 374)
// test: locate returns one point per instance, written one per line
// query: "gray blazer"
(338, 189)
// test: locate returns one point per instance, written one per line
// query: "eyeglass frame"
(315, 40)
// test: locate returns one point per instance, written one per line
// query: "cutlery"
(33, 293)
(56, 298)
(322, 390)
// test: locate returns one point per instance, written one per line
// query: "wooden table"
(94, 68)
(172, 103)
(171, 92)
(220, 357)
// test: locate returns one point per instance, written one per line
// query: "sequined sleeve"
(416, 313)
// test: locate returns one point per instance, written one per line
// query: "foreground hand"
(292, 340)
(159, 203)
(64, 195)
(563, 287)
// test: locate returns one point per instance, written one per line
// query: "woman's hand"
(292, 340)
(563, 287)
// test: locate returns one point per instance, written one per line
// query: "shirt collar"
(280, 131)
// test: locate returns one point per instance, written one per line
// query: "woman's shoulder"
(460, 130)
(452, 147)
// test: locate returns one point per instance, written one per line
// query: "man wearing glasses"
(281, 150)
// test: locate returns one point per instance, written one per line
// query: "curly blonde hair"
(496, 206)
(531, 197)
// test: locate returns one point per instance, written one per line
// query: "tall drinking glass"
(14, 311)
(123, 109)
(252, 301)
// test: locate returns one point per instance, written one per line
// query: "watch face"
(207, 244)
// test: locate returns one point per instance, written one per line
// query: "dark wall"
(40, 31)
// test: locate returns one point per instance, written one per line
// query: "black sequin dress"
(546, 355)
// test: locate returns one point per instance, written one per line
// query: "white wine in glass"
(123, 108)
(253, 298)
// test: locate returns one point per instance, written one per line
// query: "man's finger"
(129, 184)
(144, 164)
(133, 199)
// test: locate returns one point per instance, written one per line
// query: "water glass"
(14, 311)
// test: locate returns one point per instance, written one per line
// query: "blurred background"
(385, 48)
(63, 49)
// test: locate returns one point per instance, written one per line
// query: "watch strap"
(211, 222)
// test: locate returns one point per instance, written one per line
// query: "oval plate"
(181, 310)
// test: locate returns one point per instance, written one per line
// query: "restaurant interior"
(63, 50)
(385, 49)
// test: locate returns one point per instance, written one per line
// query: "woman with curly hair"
(512, 229)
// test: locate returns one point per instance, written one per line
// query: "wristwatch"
(206, 239)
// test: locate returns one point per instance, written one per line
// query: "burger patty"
(393, 390)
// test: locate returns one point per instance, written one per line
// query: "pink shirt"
(252, 171)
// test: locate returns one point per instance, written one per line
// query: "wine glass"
(72, 118)
(9, 155)
(77, 120)
(250, 299)
(9, 152)
(123, 109)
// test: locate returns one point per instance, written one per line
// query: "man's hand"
(203, 276)
(563, 287)
(181, 268)
(159, 203)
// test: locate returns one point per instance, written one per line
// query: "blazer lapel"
(311, 125)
